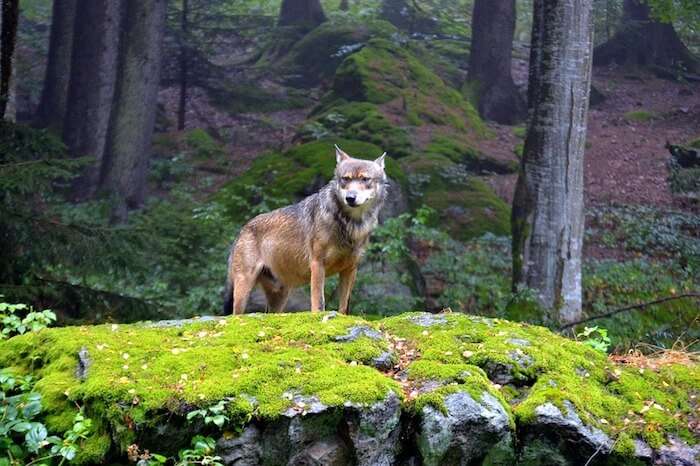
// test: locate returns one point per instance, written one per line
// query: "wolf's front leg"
(318, 278)
(347, 280)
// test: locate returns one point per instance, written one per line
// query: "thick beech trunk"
(92, 82)
(644, 41)
(134, 110)
(54, 97)
(9, 16)
(490, 78)
(547, 218)
(303, 13)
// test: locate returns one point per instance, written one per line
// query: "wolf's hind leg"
(243, 284)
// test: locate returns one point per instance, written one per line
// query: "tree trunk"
(547, 217)
(92, 82)
(8, 40)
(644, 41)
(54, 96)
(344, 5)
(184, 65)
(134, 110)
(490, 79)
(304, 13)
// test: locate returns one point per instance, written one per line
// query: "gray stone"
(518, 342)
(244, 450)
(84, 363)
(384, 362)
(359, 331)
(325, 452)
(180, 322)
(571, 429)
(678, 453)
(302, 404)
(428, 320)
(642, 450)
(375, 432)
(467, 433)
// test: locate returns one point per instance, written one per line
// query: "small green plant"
(595, 337)
(12, 324)
(24, 439)
(201, 453)
(215, 414)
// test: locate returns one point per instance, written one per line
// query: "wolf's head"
(360, 182)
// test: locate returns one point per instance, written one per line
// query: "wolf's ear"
(340, 156)
(380, 160)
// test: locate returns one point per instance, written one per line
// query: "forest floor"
(625, 161)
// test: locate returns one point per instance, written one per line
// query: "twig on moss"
(630, 308)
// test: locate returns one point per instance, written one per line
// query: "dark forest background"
(139, 137)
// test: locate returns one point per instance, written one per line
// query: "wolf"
(323, 235)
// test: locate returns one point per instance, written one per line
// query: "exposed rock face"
(466, 433)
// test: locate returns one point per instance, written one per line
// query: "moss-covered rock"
(361, 121)
(467, 206)
(280, 178)
(289, 377)
(383, 72)
(315, 57)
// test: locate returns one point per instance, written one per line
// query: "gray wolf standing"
(323, 235)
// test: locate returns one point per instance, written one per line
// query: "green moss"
(520, 131)
(245, 97)
(695, 143)
(461, 152)
(603, 393)
(297, 173)
(202, 144)
(138, 371)
(360, 121)
(316, 56)
(640, 116)
(383, 72)
(468, 207)
(141, 376)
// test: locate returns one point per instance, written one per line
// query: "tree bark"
(304, 13)
(184, 65)
(493, 26)
(9, 16)
(134, 110)
(54, 96)
(92, 83)
(344, 5)
(644, 41)
(547, 216)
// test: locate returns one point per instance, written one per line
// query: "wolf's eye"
(346, 179)
(365, 178)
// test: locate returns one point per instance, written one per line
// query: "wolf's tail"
(228, 297)
(228, 287)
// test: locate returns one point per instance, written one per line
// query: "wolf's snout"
(351, 198)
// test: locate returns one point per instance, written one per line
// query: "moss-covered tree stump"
(328, 389)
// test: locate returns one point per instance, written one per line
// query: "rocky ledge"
(325, 389)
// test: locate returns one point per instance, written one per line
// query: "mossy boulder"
(384, 71)
(280, 178)
(360, 121)
(466, 204)
(300, 386)
(315, 57)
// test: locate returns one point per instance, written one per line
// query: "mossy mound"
(534, 367)
(301, 171)
(383, 72)
(315, 57)
(467, 206)
(135, 379)
(361, 121)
